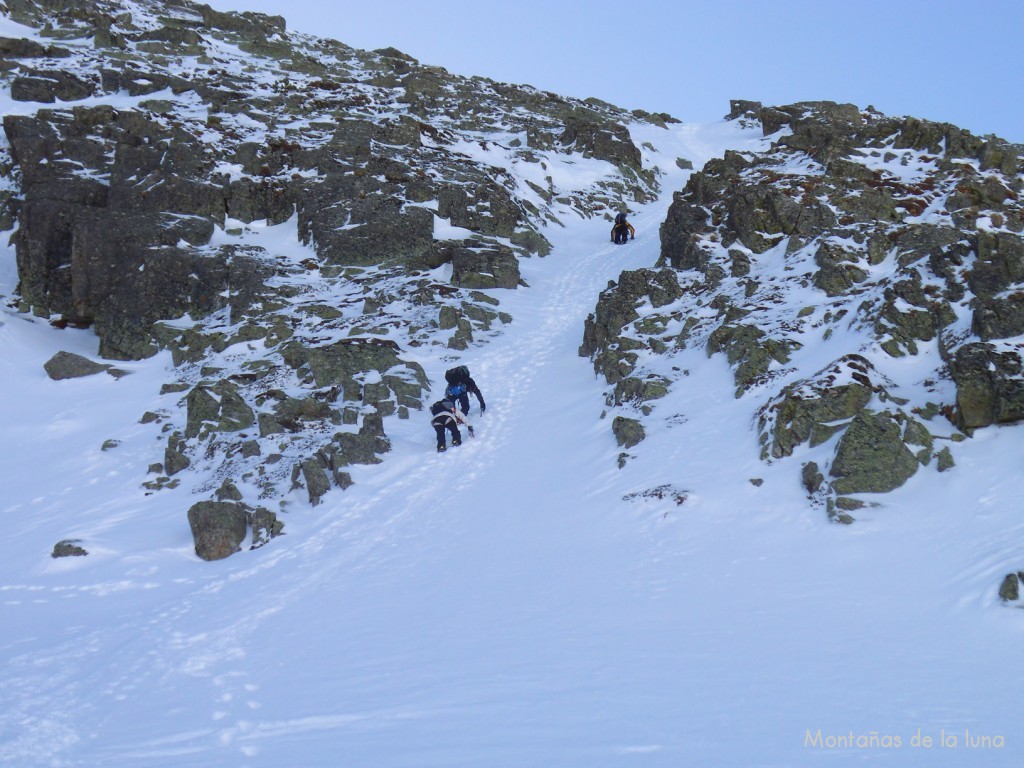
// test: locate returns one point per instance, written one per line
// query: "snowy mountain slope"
(519, 601)
(506, 603)
(166, 158)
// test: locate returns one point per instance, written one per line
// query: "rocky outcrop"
(337, 364)
(217, 408)
(989, 385)
(750, 350)
(220, 527)
(847, 236)
(103, 247)
(600, 139)
(606, 336)
(373, 228)
(628, 432)
(327, 467)
(68, 548)
(1009, 589)
(481, 268)
(278, 215)
(487, 208)
(871, 456)
(68, 365)
(812, 410)
(108, 194)
(23, 48)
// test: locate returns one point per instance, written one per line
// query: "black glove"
(471, 432)
(482, 407)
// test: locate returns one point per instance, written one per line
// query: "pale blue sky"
(941, 60)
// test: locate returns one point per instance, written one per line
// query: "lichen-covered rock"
(837, 515)
(602, 140)
(823, 129)
(68, 548)
(68, 365)
(265, 526)
(175, 459)
(1009, 589)
(291, 413)
(812, 410)
(989, 386)
(681, 233)
(172, 282)
(628, 432)
(368, 230)
(998, 317)
(532, 241)
(220, 408)
(812, 477)
(945, 459)
(336, 364)
(487, 208)
(1000, 264)
(218, 528)
(228, 491)
(749, 350)
(634, 389)
(249, 200)
(838, 270)
(362, 447)
(250, 25)
(317, 482)
(48, 86)
(448, 318)
(871, 456)
(478, 268)
(23, 48)
(616, 309)
(761, 217)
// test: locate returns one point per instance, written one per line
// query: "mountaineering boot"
(440, 449)
(456, 442)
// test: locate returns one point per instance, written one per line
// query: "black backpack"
(620, 219)
(441, 406)
(457, 375)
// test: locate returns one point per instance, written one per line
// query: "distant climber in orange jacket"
(622, 230)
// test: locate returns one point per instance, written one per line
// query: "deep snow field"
(515, 601)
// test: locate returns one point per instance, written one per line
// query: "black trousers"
(452, 427)
(621, 235)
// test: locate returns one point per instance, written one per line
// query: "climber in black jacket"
(447, 416)
(622, 230)
(460, 386)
